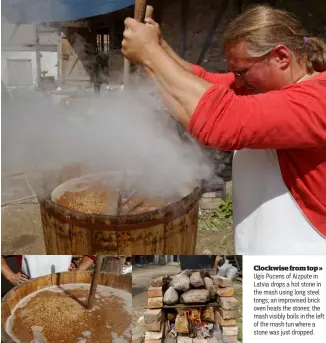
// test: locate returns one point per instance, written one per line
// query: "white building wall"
(49, 62)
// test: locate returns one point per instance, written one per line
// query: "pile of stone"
(168, 318)
(190, 288)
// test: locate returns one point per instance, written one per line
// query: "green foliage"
(218, 224)
(217, 219)
(240, 333)
(225, 209)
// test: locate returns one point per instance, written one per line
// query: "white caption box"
(282, 299)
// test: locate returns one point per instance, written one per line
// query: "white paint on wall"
(49, 62)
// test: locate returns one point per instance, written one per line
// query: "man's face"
(256, 74)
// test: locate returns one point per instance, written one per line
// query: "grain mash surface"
(58, 314)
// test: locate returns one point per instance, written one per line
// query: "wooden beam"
(14, 31)
(102, 42)
(38, 55)
(77, 23)
(17, 47)
(239, 5)
(112, 35)
(157, 4)
(59, 62)
(184, 26)
(208, 41)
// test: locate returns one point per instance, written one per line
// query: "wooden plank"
(63, 235)
(77, 23)
(59, 62)
(16, 47)
(13, 33)
(38, 55)
(207, 43)
(184, 26)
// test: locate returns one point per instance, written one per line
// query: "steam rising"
(125, 131)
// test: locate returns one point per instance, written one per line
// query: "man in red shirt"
(270, 109)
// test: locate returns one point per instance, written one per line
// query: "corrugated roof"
(59, 10)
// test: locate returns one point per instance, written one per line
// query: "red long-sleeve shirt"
(291, 120)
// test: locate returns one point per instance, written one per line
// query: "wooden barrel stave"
(170, 230)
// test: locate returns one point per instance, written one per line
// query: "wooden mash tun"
(18, 293)
(141, 12)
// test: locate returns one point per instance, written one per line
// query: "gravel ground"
(21, 223)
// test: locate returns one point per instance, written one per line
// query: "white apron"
(40, 265)
(267, 219)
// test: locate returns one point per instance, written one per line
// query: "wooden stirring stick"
(139, 14)
(95, 280)
(149, 11)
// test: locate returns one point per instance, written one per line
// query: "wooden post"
(102, 41)
(59, 57)
(149, 11)
(95, 280)
(184, 26)
(207, 43)
(148, 14)
(13, 33)
(38, 55)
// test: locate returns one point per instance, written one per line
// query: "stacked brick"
(226, 314)
(154, 316)
(229, 310)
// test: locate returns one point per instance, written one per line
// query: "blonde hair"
(261, 28)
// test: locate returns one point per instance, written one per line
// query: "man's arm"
(85, 263)
(13, 278)
(173, 106)
(226, 79)
(183, 63)
(141, 45)
(218, 117)
(156, 27)
(181, 88)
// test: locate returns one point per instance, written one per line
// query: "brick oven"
(191, 307)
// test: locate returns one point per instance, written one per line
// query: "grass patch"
(215, 228)
(214, 220)
(218, 218)
(238, 295)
